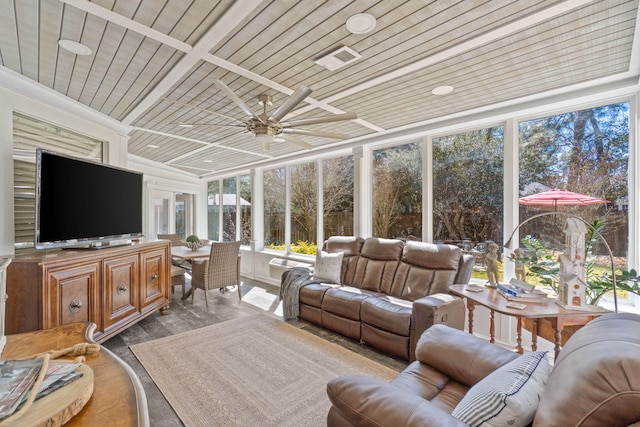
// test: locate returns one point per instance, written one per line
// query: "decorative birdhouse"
(572, 289)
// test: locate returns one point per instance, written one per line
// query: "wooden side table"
(548, 312)
(118, 396)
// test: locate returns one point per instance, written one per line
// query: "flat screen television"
(80, 203)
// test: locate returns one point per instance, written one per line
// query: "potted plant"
(193, 242)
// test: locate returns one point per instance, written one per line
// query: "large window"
(304, 208)
(245, 209)
(274, 187)
(397, 192)
(585, 152)
(337, 196)
(468, 191)
(213, 210)
(229, 210)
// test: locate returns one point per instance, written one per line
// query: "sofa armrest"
(434, 309)
(366, 401)
(459, 355)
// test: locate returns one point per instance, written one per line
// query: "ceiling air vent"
(338, 58)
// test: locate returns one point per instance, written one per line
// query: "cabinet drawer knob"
(154, 276)
(75, 305)
(122, 288)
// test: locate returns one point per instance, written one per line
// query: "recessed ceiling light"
(153, 146)
(74, 47)
(208, 161)
(361, 23)
(442, 90)
(279, 139)
(185, 125)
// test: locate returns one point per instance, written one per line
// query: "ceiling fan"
(267, 126)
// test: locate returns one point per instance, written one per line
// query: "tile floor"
(184, 315)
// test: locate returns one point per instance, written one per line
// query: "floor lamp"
(509, 243)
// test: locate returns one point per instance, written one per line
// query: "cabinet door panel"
(153, 277)
(120, 287)
(74, 295)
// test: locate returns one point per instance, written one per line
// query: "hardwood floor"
(184, 316)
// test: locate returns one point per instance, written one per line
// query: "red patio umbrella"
(558, 197)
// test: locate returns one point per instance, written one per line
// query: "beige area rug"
(254, 371)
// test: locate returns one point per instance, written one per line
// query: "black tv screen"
(81, 203)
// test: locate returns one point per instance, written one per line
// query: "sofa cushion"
(313, 293)
(509, 396)
(388, 313)
(431, 384)
(433, 256)
(349, 245)
(328, 267)
(377, 264)
(345, 301)
(425, 269)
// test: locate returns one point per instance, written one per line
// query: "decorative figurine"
(491, 261)
(572, 287)
(521, 272)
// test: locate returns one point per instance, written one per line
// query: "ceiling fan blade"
(193, 125)
(296, 141)
(327, 119)
(296, 97)
(235, 98)
(315, 133)
(202, 109)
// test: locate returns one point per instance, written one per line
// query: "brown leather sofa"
(390, 291)
(594, 382)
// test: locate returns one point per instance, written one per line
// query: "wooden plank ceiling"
(151, 57)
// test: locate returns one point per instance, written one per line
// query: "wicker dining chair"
(176, 240)
(222, 269)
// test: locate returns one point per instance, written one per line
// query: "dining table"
(184, 253)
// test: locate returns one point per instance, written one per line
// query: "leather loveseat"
(594, 382)
(389, 291)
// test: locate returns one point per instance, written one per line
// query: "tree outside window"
(213, 210)
(245, 209)
(304, 208)
(274, 208)
(468, 191)
(397, 192)
(337, 176)
(229, 203)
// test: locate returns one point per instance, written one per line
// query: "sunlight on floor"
(259, 297)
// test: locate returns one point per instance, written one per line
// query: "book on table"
(537, 299)
(516, 292)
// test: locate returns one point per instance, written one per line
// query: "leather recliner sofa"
(595, 381)
(390, 291)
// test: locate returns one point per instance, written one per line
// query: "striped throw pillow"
(509, 396)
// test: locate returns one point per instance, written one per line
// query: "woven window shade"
(28, 135)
